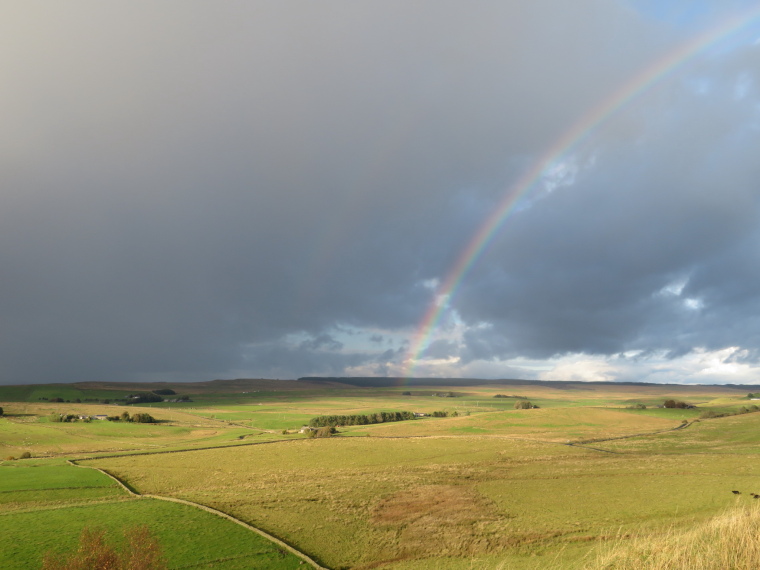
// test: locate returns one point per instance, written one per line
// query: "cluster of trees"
(79, 401)
(55, 417)
(524, 405)
(441, 414)
(638, 406)
(139, 398)
(506, 396)
(360, 419)
(675, 404)
(446, 394)
(140, 418)
(1, 411)
(143, 398)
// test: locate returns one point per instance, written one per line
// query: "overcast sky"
(195, 190)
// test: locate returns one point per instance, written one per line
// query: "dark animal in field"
(736, 492)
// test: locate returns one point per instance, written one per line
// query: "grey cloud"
(187, 186)
(583, 269)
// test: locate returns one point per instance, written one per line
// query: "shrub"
(406, 393)
(325, 431)
(26, 455)
(1, 411)
(142, 552)
(675, 404)
(638, 406)
(524, 405)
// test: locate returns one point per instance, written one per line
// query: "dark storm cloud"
(653, 248)
(186, 185)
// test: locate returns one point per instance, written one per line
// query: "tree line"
(360, 419)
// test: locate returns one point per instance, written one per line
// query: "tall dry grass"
(730, 541)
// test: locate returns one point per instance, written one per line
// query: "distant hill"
(383, 382)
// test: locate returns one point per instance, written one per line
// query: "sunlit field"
(486, 486)
(46, 504)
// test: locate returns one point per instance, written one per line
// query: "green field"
(46, 504)
(488, 487)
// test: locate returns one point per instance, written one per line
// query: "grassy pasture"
(494, 487)
(45, 504)
(26, 427)
(189, 537)
(33, 483)
(361, 501)
(552, 424)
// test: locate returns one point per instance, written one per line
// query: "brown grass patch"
(433, 504)
(447, 520)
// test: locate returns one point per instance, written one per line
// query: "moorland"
(487, 474)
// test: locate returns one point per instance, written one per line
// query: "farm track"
(264, 534)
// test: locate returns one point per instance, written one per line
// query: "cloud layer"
(276, 189)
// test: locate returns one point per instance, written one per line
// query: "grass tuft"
(730, 541)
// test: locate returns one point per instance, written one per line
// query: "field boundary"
(184, 450)
(282, 544)
(599, 440)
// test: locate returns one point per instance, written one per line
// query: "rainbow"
(570, 138)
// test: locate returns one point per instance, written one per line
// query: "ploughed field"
(488, 486)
